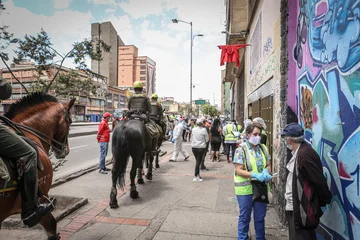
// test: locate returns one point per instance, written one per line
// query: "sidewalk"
(170, 206)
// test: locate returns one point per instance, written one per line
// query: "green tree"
(210, 110)
(40, 50)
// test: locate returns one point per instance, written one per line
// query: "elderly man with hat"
(306, 187)
(103, 138)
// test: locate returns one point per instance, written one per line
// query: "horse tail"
(120, 149)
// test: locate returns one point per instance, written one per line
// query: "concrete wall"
(262, 69)
(324, 91)
(127, 61)
(108, 67)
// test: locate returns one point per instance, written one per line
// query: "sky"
(144, 23)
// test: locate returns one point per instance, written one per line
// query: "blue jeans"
(103, 153)
(233, 148)
(245, 206)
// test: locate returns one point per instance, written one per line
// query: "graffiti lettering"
(268, 46)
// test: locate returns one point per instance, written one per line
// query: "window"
(142, 72)
(143, 78)
(142, 61)
(143, 67)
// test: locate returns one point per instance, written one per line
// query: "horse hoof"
(115, 205)
(140, 181)
(56, 237)
(149, 176)
(134, 194)
(157, 166)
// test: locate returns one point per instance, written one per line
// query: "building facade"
(86, 108)
(108, 67)
(136, 68)
(303, 66)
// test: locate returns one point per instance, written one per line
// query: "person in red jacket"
(103, 138)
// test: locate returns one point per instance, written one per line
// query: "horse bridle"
(46, 139)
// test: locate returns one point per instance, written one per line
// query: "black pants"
(298, 234)
(233, 148)
(198, 153)
(183, 135)
(223, 144)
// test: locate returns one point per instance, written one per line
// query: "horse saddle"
(153, 129)
(8, 169)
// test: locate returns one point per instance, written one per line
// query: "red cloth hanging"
(230, 53)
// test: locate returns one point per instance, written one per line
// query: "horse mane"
(27, 102)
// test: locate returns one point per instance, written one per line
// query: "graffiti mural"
(326, 53)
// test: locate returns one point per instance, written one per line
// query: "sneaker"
(172, 160)
(186, 158)
(107, 169)
(198, 179)
(102, 171)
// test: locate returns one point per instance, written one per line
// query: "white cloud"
(141, 8)
(110, 10)
(61, 4)
(169, 45)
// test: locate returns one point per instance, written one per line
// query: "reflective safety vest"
(243, 185)
(229, 136)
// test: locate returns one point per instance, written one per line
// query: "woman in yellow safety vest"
(251, 161)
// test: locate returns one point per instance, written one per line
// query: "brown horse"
(47, 122)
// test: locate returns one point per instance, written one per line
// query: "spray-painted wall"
(324, 90)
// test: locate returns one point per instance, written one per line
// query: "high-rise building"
(133, 68)
(108, 67)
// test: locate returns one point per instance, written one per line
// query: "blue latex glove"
(267, 175)
(258, 176)
(173, 140)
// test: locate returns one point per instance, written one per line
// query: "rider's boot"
(32, 212)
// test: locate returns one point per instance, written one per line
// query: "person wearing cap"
(305, 176)
(259, 121)
(200, 137)
(103, 138)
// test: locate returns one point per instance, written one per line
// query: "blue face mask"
(254, 140)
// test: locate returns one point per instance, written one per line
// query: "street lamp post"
(191, 48)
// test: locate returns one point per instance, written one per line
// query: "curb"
(79, 134)
(77, 174)
(17, 223)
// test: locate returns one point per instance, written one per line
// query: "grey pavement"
(174, 206)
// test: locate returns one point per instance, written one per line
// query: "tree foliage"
(210, 110)
(40, 50)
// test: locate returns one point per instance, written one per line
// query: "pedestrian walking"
(229, 132)
(199, 139)
(184, 127)
(252, 162)
(103, 138)
(206, 125)
(215, 140)
(178, 141)
(305, 176)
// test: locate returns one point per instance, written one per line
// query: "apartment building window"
(142, 78)
(142, 72)
(142, 61)
(143, 67)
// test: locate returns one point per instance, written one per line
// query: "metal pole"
(191, 42)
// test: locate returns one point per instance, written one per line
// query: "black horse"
(130, 138)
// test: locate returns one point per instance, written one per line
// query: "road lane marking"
(78, 147)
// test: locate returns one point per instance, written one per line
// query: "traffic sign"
(200, 102)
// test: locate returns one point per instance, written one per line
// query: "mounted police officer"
(14, 148)
(139, 105)
(157, 112)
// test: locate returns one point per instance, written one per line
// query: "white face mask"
(255, 140)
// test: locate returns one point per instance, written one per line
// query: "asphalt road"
(84, 152)
(90, 128)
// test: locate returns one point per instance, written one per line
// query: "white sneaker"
(197, 179)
